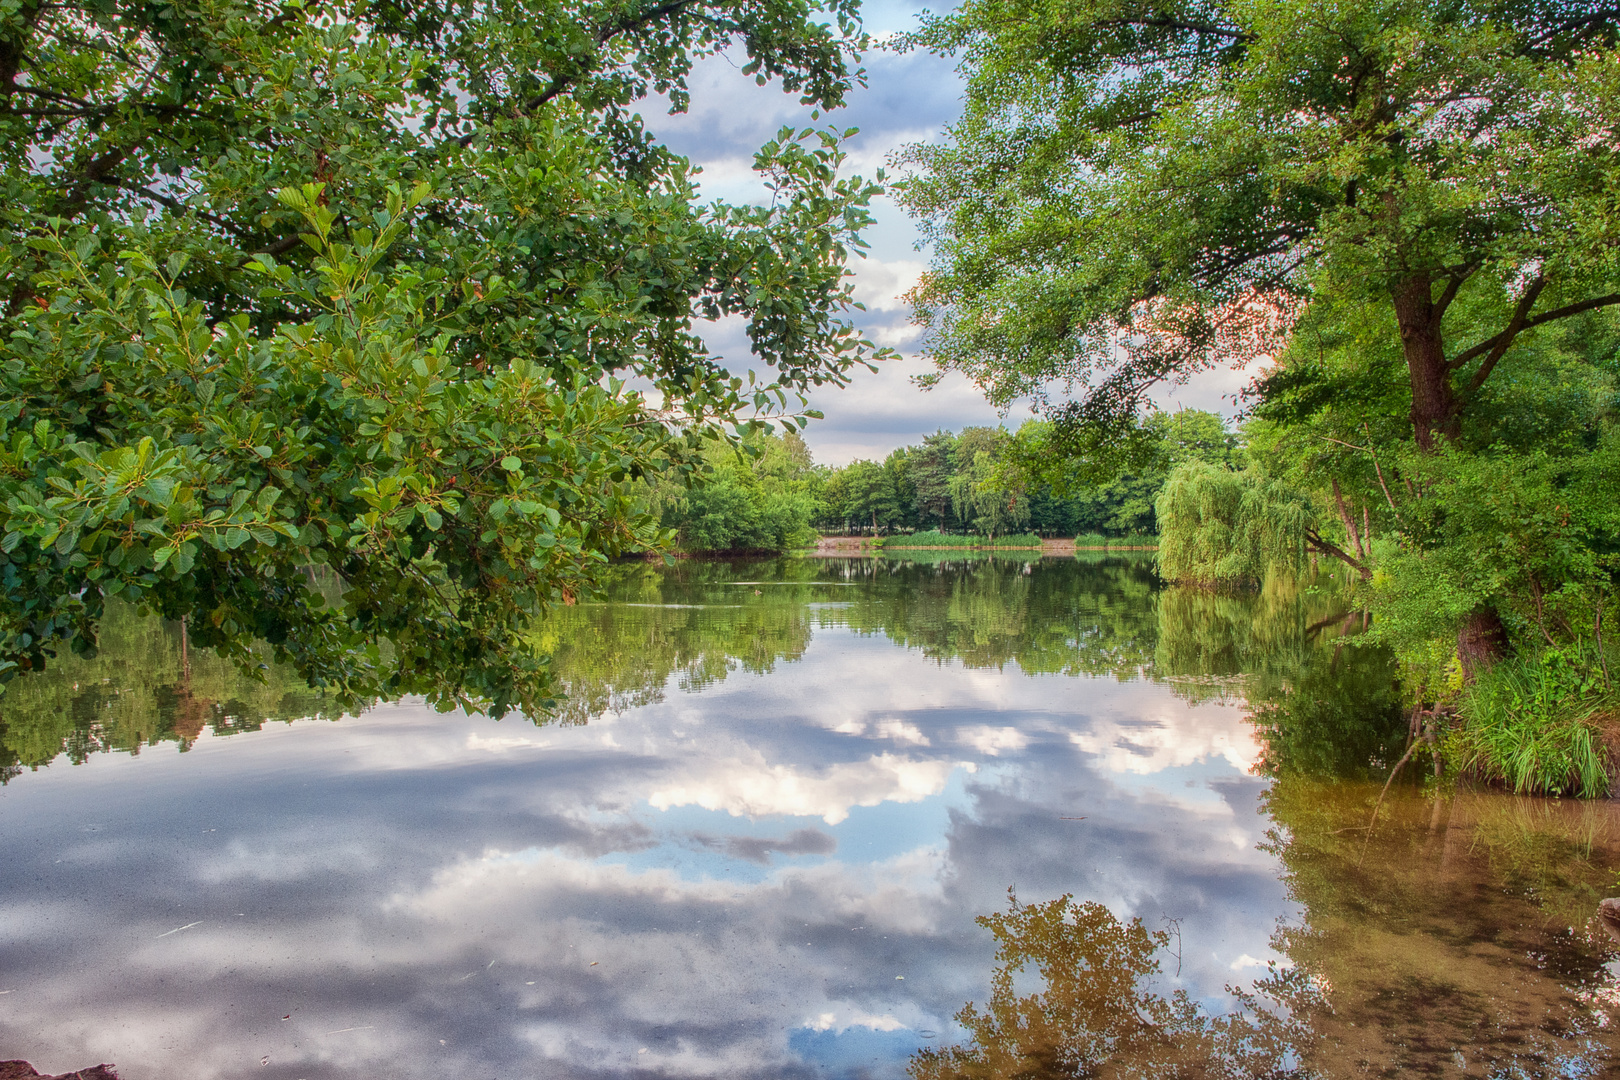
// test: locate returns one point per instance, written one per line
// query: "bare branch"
(1376, 468)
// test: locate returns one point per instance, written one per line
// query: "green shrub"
(1098, 540)
(1533, 724)
(933, 539)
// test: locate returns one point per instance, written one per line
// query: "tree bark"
(1434, 402)
(1481, 641)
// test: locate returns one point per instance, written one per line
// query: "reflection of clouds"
(760, 850)
(890, 728)
(501, 743)
(992, 740)
(755, 788)
(410, 877)
(834, 1021)
(1171, 736)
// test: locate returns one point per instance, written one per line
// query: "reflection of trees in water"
(696, 622)
(1337, 713)
(1098, 1014)
(1219, 644)
(693, 624)
(1458, 941)
(1057, 616)
(135, 692)
(1459, 937)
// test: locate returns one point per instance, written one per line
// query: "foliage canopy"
(296, 292)
(1141, 189)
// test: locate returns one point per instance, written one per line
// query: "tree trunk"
(1481, 641)
(1349, 523)
(1434, 404)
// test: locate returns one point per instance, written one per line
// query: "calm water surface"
(756, 841)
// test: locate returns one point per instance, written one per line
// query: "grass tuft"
(1536, 725)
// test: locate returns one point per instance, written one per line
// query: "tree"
(986, 497)
(1095, 1010)
(1119, 502)
(871, 496)
(343, 292)
(1140, 189)
(1219, 527)
(930, 467)
(756, 496)
(1504, 539)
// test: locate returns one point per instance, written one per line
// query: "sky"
(908, 98)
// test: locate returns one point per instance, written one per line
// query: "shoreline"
(852, 546)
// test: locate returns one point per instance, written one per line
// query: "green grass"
(1533, 724)
(1098, 540)
(933, 539)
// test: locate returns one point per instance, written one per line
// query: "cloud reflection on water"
(774, 875)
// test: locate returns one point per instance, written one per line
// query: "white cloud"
(499, 744)
(879, 285)
(842, 1021)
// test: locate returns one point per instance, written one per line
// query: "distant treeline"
(772, 496)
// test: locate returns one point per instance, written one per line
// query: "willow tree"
(1141, 189)
(306, 292)
(1219, 527)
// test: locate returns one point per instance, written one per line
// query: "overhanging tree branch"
(1329, 548)
(1564, 312)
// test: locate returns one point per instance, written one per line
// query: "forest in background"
(769, 495)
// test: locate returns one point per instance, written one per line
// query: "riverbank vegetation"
(1416, 264)
(759, 495)
(973, 488)
(931, 539)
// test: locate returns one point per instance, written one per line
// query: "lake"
(777, 828)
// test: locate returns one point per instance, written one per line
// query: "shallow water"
(757, 838)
